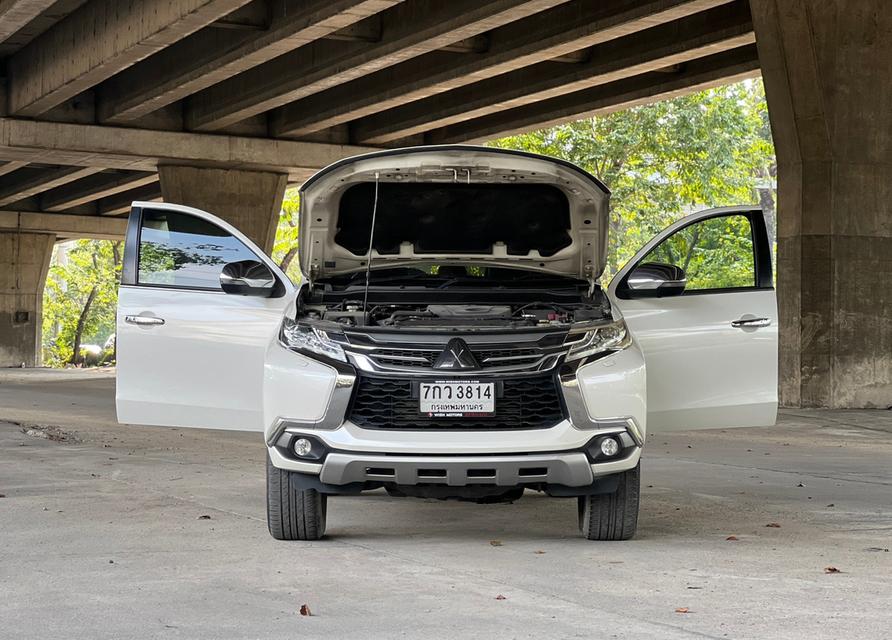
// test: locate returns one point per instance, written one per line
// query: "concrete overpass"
(220, 103)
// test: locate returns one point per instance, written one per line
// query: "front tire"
(293, 514)
(612, 516)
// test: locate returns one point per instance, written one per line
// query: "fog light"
(609, 447)
(302, 447)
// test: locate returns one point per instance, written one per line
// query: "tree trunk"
(691, 247)
(288, 258)
(79, 330)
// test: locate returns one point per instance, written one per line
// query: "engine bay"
(464, 297)
(456, 316)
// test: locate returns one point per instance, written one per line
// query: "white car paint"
(702, 372)
(203, 367)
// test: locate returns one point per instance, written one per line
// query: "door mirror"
(247, 278)
(655, 280)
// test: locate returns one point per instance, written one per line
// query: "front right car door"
(700, 301)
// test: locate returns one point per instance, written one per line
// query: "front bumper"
(565, 468)
(603, 397)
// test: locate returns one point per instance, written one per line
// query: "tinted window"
(180, 250)
(716, 253)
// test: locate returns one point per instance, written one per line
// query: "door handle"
(744, 323)
(143, 320)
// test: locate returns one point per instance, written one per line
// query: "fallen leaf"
(204, 517)
(305, 610)
(496, 543)
(538, 552)
(501, 597)
(831, 570)
(773, 525)
(732, 538)
(682, 610)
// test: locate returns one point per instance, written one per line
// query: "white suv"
(450, 337)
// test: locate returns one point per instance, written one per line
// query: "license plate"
(457, 399)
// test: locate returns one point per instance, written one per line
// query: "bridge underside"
(100, 94)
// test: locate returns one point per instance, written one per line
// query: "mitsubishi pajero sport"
(450, 336)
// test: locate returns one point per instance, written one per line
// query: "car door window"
(177, 249)
(715, 253)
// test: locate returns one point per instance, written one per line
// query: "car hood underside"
(454, 205)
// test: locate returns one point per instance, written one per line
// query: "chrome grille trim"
(404, 354)
(368, 362)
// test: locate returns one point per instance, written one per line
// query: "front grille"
(525, 403)
(488, 357)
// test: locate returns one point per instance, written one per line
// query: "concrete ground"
(110, 531)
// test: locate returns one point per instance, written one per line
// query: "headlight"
(304, 337)
(609, 337)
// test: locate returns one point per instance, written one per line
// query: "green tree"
(80, 299)
(666, 159)
(287, 234)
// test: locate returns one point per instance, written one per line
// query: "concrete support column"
(249, 200)
(826, 68)
(24, 260)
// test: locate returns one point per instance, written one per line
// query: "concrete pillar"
(249, 200)
(826, 67)
(24, 260)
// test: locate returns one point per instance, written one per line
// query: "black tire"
(612, 516)
(293, 514)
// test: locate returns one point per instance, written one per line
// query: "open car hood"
(454, 205)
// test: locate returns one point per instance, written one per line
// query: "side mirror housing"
(655, 280)
(247, 278)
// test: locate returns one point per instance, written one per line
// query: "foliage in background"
(79, 300)
(285, 246)
(669, 158)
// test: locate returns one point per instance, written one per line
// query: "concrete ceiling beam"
(721, 68)
(559, 32)
(9, 167)
(143, 149)
(100, 39)
(657, 48)
(119, 204)
(32, 181)
(69, 226)
(15, 14)
(410, 29)
(213, 55)
(93, 188)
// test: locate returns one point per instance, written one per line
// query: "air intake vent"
(525, 403)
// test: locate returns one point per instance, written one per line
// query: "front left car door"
(699, 299)
(190, 354)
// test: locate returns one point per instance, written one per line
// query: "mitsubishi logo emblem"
(456, 355)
